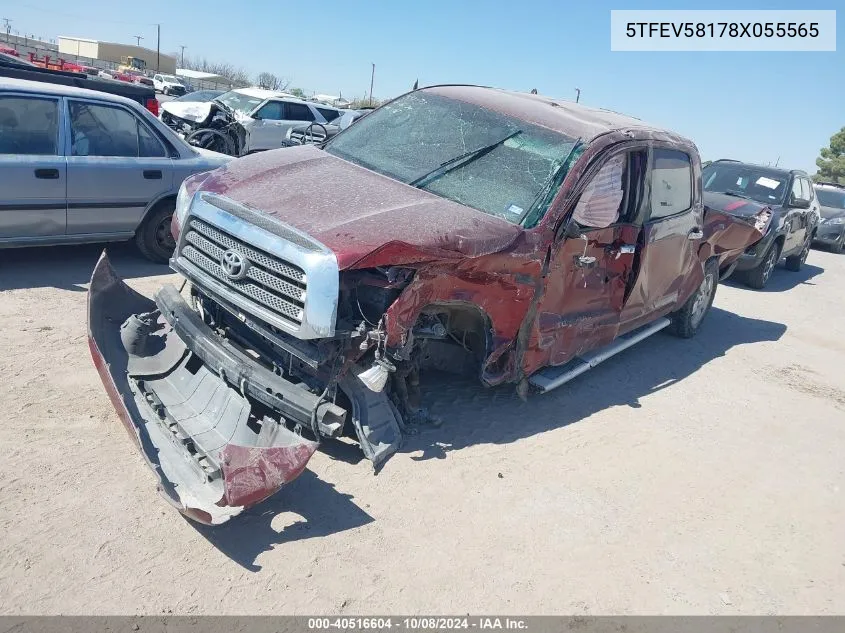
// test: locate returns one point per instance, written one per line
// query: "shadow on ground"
(69, 267)
(323, 509)
(475, 415)
(782, 279)
(472, 414)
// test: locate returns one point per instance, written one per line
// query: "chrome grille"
(270, 281)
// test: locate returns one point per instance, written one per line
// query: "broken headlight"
(762, 219)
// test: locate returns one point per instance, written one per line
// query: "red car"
(508, 235)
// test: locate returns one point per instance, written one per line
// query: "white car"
(168, 85)
(265, 115)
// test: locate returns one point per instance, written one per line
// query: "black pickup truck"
(20, 69)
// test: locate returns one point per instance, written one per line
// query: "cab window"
(613, 194)
(671, 183)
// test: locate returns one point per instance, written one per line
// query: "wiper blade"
(737, 194)
(457, 161)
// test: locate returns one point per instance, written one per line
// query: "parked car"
(745, 189)
(199, 96)
(19, 69)
(508, 235)
(831, 231)
(168, 85)
(81, 166)
(244, 120)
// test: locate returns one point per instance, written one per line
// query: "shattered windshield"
(474, 156)
(239, 102)
(745, 181)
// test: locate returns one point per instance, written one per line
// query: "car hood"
(733, 205)
(356, 212)
(188, 110)
(831, 212)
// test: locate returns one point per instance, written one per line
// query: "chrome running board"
(553, 377)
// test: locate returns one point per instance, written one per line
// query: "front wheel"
(839, 245)
(154, 238)
(758, 277)
(687, 321)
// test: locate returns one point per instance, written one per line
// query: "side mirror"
(799, 203)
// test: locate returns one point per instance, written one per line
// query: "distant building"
(70, 47)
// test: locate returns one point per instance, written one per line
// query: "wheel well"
(169, 199)
(468, 330)
(780, 240)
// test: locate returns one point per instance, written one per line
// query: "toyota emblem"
(234, 265)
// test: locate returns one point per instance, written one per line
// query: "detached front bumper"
(187, 399)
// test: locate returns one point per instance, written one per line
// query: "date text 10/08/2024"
(417, 623)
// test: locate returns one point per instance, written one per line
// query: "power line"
(138, 39)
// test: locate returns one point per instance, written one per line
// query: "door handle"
(624, 249)
(47, 174)
(585, 261)
(152, 174)
(695, 234)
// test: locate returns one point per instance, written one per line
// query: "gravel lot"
(701, 476)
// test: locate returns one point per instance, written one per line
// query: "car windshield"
(474, 156)
(831, 198)
(170, 78)
(745, 181)
(239, 102)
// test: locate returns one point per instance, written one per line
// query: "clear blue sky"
(750, 106)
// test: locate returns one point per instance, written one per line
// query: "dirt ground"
(701, 476)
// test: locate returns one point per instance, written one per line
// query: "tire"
(153, 238)
(758, 277)
(794, 262)
(687, 321)
(839, 245)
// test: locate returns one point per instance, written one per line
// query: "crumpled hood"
(733, 205)
(355, 211)
(188, 110)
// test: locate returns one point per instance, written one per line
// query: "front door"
(592, 267)
(273, 120)
(116, 167)
(33, 170)
(673, 230)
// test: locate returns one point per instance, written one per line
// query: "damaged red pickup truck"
(456, 227)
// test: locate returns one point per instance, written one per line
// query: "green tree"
(297, 92)
(831, 162)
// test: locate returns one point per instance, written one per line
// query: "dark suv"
(831, 232)
(743, 189)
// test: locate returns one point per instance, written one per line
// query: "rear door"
(669, 266)
(116, 166)
(33, 170)
(796, 217)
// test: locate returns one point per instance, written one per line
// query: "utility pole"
(138, 39)
(577, 94)
(8, 28)
(183, 54)
(158, 48)
(777, 161)
(372, 77)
